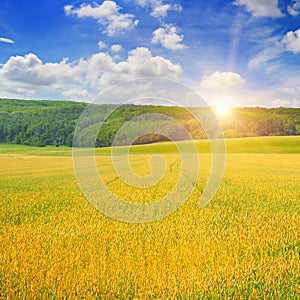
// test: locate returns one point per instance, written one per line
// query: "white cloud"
(273, 47)
(29, 69)
(261, 8)
(265, 56)
(27, 75)
(83, 79)
(286, 103)
(168, 37)
(159, 9)
(140, 63)
(291, 41)
(116, 48)
(294, 9)
(290, 94)
(177, 7)
(107, 15)
(76, 94)
(291, 90)
(102, 45)
(6, 40)
(223, 88)
(221, 80)
(145, 64)
(68, 9)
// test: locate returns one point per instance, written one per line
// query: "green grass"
(290, 144)
(31, 150)
(286, 144)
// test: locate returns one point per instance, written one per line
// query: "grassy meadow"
(244, 245)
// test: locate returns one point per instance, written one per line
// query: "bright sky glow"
(222, 109)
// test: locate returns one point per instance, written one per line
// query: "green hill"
(41, 122)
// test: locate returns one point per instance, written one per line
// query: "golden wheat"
(244, 244)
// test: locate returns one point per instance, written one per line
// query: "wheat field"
(55, 245)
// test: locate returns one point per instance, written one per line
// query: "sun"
(222, 109)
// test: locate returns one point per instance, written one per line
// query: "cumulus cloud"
(261, 8)
(27, 75)
(291, 41)
(168, 38)
(81, 79)
(221, 80)
(102, 45)
(6, 40)
(140, 63)
(30, 69)
(107, 15)
(159, 9)
(145, 64)
(116, 48)
(294, 9)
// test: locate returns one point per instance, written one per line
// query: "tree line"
(47, 122)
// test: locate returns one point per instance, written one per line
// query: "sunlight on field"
(244, 244)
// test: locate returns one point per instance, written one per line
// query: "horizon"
(147, 104)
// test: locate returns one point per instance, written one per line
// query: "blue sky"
(234, 52)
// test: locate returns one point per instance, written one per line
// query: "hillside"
(41, 122)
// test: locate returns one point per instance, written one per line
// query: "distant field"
(244, 245)
(288, 144)
(236, 145)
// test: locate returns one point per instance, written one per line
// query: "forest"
(51, 122)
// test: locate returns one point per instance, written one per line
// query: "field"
(244, 245)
